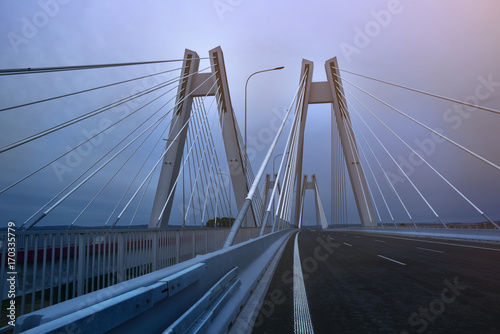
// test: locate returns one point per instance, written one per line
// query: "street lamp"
(246, 84)
(274, 160)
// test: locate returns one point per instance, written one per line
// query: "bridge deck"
(361, 283)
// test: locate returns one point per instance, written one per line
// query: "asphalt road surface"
(360, 283)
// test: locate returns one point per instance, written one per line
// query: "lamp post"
(274, 160)
(246, 84)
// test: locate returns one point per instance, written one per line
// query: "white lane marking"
(379, 240)
(442, 243)
(331, 238)
(345, 243)
(401, 263)
(357, 237)
(301, 315)
(430, 250)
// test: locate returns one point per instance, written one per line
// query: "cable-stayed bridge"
(157, 218)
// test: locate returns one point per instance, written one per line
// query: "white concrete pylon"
(331, 92)
(307, 71)
(320, 212)
(321, 221)
(173, 158)
(193, 84)
(351, 153)
(235, 158)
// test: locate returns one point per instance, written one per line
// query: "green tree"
(221, 222)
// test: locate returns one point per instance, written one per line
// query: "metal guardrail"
(57, 265)
(197, 318)
(206, 292)
(105, 315)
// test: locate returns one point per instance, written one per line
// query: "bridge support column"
(305, 185)
(194, 84)
(175, 144)
(235, 159)
(320, 212)
(331, 92)
(307, 70)
(349, 146)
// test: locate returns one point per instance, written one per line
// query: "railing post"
(206, 241)
(154, 241)
(217, 239)
(177, 246)
(194, 243)
(120, 270)
(81, 263)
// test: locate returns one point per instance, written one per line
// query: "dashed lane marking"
(387, 258)
(430, 250)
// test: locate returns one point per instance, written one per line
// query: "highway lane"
(362, 283)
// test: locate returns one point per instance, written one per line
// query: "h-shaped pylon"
(320, 212)
(193, 84)
(331, 91)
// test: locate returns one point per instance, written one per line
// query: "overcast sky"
(448, 47)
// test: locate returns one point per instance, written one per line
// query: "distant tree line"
(221, 222)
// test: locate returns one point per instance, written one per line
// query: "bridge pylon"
(194, 84)
(331, 91)
(321, 221)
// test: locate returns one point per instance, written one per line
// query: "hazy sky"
(448, 47)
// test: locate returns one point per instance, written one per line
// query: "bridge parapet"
(57, 265)
(126, 307)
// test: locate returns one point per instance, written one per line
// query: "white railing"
(56, 265)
